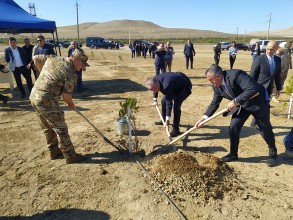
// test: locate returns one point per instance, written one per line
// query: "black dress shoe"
(272, 161)
(158, 123)
(229, 157)
(175, 132)
(5, 100)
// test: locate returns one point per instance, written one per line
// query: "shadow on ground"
(61, 214)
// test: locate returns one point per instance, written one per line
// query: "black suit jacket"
(260, 71)
(8, 53)
(189, 50)
(242, 87)
(172, 84)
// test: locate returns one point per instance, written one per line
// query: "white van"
(263, 44)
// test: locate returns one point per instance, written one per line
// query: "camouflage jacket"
(57, 76)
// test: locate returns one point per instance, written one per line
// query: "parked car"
(51, 42)
(250, 47)
(64, 44)
(224, 45)
(263, 45)
(99, 42)
(241, 46)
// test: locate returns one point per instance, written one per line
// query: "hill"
(118, 29)
(285, 32)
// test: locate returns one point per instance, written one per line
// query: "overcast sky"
(225, 16)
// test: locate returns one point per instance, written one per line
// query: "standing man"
(74, 45)
(132, 47)
(28, 48)
(57, 78)
(266, 69)
(176, 87)
(217, 53)
(160, 66)
(17, 60)
(169, 56)
(189, 52)
(41, 48)
(241, 89)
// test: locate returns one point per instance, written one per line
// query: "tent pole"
(57, 41)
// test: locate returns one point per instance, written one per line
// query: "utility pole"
(268, 34)
(237, 34)
(77, 23)
(129, 32)
(32, 8)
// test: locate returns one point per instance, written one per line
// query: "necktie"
(272, 67)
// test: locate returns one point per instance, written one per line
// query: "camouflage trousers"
(51, 119)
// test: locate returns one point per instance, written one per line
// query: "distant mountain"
(285, 32)
(118, 29)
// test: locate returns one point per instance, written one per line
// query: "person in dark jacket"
(176, 87)
(217, 53)
(160, 65)
(73, 46)
(28, 48)
(189, 53)
(255, 51)
(17, 60)
(252, 98)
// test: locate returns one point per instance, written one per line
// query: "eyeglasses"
(39, 40)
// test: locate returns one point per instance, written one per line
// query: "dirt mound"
(194, 174)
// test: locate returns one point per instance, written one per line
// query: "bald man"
(266, 69)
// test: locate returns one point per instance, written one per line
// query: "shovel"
(100, 133)
(203, 122)
(193, 128)
(166, 128)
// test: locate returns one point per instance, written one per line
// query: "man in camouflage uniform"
(57, 78)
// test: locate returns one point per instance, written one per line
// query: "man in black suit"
(241, 89)
(176, 87)
(28, 48)
(17, 60)
(266, 69)
(189, 52)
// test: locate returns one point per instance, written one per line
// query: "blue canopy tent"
(15, 20)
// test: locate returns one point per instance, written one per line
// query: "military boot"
(74, 159)
(56, 153)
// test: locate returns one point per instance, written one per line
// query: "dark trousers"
(132, 53)
(160, 69)
(36, 74)
(3, 97)
(187, 61)
(168, 64)
(17, 76)
(232, 60)
(263, 119)
(217, 60)
(177, 102)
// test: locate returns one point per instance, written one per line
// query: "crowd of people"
(249, 94)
